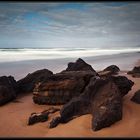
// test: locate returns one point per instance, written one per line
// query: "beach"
(14, 118)
(69, 69)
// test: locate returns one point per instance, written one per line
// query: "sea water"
(18, 62)
(21, 54)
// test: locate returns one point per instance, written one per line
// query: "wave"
(20, 54)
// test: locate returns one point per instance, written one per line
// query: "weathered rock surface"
(107, 106)
(113, 69)
(102, 98)
(55, 121)
(62, 87)
(41, 117)
(135, 72)
(79, 65)
(82, 91)
(8, 89)
(28, 83)
(136, 97)
(123, 83)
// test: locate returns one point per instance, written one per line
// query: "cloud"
(71, 24)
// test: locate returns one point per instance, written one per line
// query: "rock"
(107, 106)
(113, 69)
(28, 83)
(136, 97)
(55, 122)
(41, 117)
(37, 117)
(8, 89)
(102, 98)
(79, 65)
(74, 108)
(135, 72)
(83, 91)
(123, 83)
(61, 87)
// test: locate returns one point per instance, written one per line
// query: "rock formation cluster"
(80, 89)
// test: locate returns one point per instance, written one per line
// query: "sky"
(69, 24)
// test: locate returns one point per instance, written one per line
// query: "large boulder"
(136, 97)
(101, 97)
(8, 89)
(107, 106)
(83, 91)
(135, 72)
(61, 87)
(28, 83)
(79, 65)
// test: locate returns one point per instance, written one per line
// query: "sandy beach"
(59, 61)
(14, 117)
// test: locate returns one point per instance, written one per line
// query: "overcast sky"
(40, 24)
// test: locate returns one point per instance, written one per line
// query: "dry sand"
(14, 117)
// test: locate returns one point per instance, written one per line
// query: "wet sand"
(14, 117)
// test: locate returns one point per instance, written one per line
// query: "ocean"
(17, 54)
(19, 62)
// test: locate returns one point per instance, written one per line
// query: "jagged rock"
(61, 87)
(37, 117)
(102, 98)
(55, 122)
(74, 108)
(83, 91)
(41, 117)
(123, 84)
(107, 106)
(136, 97)
(79, 65)
(8, 89)
(135, 72)
(28, 83)
(113, 69)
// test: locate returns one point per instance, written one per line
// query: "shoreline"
(20, 69)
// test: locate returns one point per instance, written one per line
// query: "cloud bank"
(52, 25)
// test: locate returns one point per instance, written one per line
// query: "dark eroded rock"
(123, 84)
(107, 106)
(135, 72)
(41, 117)
(38, 117)
(102, 98)
(8, 89)
(136, 97)
(55, 121)
(75, 107)
(79, 65)
(62, 87)
(83, 91)
(28, 83)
